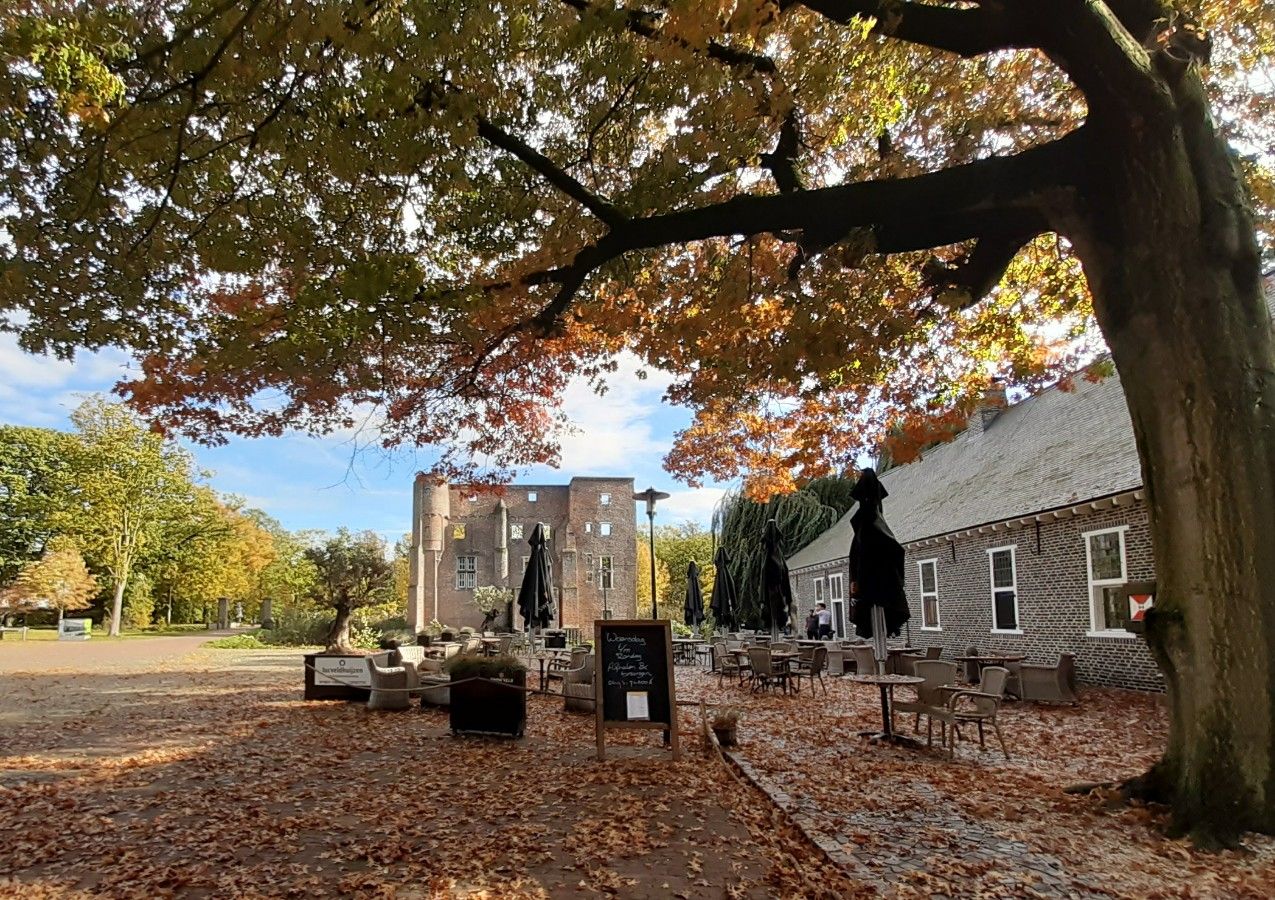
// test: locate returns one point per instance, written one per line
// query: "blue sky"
(324, 483)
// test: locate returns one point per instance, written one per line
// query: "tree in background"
(675, 547)
(125, 484)
(402, 570)
(352, 572)
(642, 583)
(58, 579)
(33, 481)
(290, 577)
(802, 516)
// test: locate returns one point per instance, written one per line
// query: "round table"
(991, 659)
(887, 684)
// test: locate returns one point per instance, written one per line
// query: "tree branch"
(643, 23)
(967, 31)
(965, 283)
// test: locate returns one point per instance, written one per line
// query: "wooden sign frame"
(601, 723)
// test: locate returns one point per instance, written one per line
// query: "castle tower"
(431, 510)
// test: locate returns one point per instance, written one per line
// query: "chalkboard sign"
(633, 677)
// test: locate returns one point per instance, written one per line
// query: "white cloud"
(613, 430)
(693, 505)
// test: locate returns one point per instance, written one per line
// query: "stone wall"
(1053, 595)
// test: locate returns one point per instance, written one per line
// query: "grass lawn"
(51, 634)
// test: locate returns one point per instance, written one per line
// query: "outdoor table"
(991, 659)
(544, 657)
(489, 645)
(892, 659)
(684, 649)
(887, 684)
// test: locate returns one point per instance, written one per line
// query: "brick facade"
(491, 531)
(1054, 609)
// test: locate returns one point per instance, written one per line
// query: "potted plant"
(725, 724)
(487, 694)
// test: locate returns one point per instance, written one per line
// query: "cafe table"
(991, 659)
(887, 684)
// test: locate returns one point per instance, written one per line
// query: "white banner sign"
(346, 671)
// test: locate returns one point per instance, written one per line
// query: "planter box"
(489, 707)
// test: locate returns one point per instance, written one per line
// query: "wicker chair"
(577, 687)
(1047, 684)
(767, 671)
(905, 663)
(933, 652)
(560, 665)
(931, 698)
(864, 662)
(978, 706)
(730, 666)
(811, 669)
(389, 686)
(783, 646)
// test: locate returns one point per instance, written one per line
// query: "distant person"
(824, 618)
(812, 625)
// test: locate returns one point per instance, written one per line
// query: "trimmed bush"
(237, 642)
(484, 666)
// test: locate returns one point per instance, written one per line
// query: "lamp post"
(650, 495)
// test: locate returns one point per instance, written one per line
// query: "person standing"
(824, 617)
(812, 625)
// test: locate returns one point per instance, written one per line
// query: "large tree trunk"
(117, 607)
(1170, 254)
(339, 633)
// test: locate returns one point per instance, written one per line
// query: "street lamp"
(650, 495)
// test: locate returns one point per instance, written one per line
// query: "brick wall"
(565, 509)
(1053, 595)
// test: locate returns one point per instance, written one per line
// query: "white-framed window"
(467, 573)
(836, 588)
(819, 591)
(515, 531)
(532, 496)
(606, 573)
(548, 532)
(604, 529)
(1004, 577)
(472, 498)
(605, 499)
(525, 560)
(1107, 571)
(837, 603)
(929, 572)
(588, 528)
(458, 532)
(588, 568)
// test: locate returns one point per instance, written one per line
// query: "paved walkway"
(98, 653)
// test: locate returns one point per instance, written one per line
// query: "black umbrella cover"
(693, 610)
(725, 598)
(535, 595)
(876, 561)
(775, 588)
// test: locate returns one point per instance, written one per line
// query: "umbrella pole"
(879, 650)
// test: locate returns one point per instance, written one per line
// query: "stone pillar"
(570, 593)
(431, 508)
(501, 556)
(267, 620)
(223, 613)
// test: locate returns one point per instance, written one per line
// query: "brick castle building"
(464, 539)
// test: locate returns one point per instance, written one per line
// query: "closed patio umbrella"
(776, 591)
(876, 568)
(693, 610)
(535, 595)
(725, 598)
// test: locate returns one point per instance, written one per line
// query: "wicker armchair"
(729, 665)
(978, 706)
(560, 665)
(577, 687)
(389, 686)
(931, 696)
(864, 662)
(1047, 684)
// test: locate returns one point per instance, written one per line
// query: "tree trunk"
(1170, 255)
(339, 633)
(117, 607)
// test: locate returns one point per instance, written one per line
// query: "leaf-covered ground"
(205, 775)
(918, 825)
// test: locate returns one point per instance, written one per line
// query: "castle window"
(466, 573)
(532, 496)
(588, 528)
(588, 568)
(604, 529)
(515, 532)
(606, 573)
(458, 532)
(605, 499)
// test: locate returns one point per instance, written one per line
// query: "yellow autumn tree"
(642, 578)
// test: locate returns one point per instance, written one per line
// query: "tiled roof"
(1054, 449)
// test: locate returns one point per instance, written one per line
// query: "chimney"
(989, 407)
